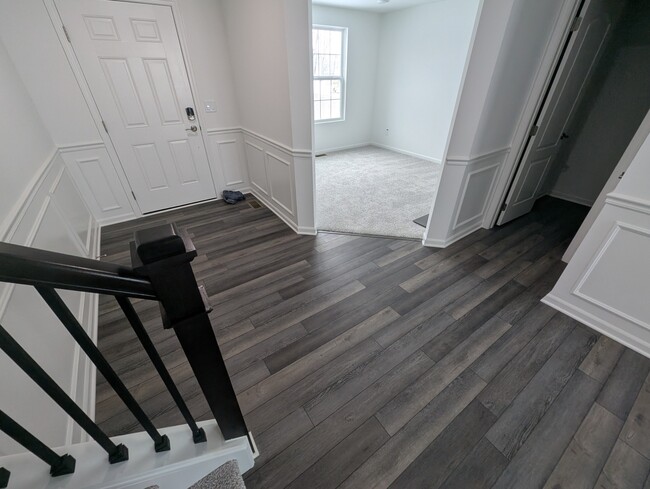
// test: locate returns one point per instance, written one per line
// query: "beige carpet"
(371, 190)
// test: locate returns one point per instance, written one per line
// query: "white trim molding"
(272, 168)
(605, 280)
(342, 148)
(406, 152)
(462, 201)
(571, 198)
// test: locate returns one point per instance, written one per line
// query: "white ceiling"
(372, 5)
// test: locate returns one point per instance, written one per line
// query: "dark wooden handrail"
(31, 266)
(162, 271)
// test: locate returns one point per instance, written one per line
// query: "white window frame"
(344, 71)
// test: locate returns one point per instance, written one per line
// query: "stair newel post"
(164, 256)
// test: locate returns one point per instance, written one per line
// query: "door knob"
(564, 136)
(192, 128)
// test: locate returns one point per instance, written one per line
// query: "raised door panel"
(151, 166)
(184, 161)
(161, 84)
(119, 79)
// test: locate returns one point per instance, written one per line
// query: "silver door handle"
(192, 128)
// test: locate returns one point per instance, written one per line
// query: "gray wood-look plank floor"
(366, 362)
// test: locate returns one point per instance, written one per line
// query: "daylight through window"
(329, 45)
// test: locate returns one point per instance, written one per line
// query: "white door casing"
(576, 66)
(131, 58)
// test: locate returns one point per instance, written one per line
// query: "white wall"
(528, 33)
(259, 62)
(363, 50)
(270, 46)
(205, 29)
(25, 145)
(30, 38)
(422, 53)
(614, 106)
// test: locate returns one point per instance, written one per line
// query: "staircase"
(174, 457)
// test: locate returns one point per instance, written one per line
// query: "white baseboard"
(597, 324)
(571, 198)
(307, 231)
(405, 152)
(273, 208)
(342, 148)
(440, 243)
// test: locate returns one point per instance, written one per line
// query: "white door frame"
(57, 23)
(533, 105)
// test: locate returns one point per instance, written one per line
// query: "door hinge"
(67, 35)
(533, 131)
(576, 24)
(504, 206)
(105, 128)
(134, 197)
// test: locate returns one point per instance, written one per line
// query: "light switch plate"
(210, 106)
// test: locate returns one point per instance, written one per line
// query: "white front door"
(131, 58)
(583, 50)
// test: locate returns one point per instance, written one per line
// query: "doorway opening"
(596, 101)
(386, 79)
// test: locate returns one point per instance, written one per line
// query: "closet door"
(584, 48)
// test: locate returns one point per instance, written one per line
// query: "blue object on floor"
(233, 196)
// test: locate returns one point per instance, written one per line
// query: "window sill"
(329, 121)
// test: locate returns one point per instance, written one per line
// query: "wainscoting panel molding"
(257, 167)
(52, 216)
(98, 182)
(227, 158)
(271, 170)
(462, 202)
(606, 282)
(281, 182)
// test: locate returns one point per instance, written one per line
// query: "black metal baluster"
(4, 477)
(130, 313)
(59, 464)
(116, 453)
(76, 330)
(165, 257)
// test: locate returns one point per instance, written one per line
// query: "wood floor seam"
(374, 362)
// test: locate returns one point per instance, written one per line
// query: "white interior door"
(131, 58)
(583, 50)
